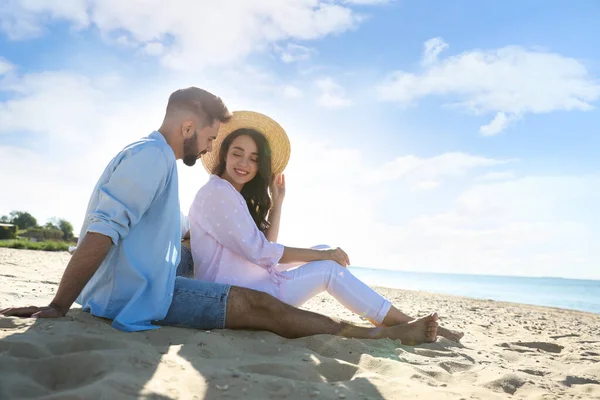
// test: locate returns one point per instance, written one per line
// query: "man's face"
(199, 143)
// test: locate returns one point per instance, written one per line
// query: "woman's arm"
(277, 189)
(294, 255)
(220, 213)
(272, 231)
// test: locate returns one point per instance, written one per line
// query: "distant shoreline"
(477, 275)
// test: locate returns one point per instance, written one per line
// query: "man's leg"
(250, 309)
(186, 264)
(208, 305)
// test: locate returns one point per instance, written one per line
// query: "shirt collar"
(156, 135)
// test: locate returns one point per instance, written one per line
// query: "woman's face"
(241, 162)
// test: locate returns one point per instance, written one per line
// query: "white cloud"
(332, 95)
(367, 2)
(433, 48)
(5, 66)
(292, 92)
(294, 53)
(58, 100)
(497, 176)
(425, 173)
(25, 19)
(509, 82)
(154, 48)
(203, 34)
(124, 41)
(497, 125)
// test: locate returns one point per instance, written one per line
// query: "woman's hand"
(278, 190)
(338, 255)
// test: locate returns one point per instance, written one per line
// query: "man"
(125, 265)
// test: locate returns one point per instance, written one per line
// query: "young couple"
(234, 225)
(126, 262)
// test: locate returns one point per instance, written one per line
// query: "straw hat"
(273, 132)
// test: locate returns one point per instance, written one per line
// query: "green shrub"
(25, 244)
(42, 234)
(51, 246)
(8, 232)
(17, 244)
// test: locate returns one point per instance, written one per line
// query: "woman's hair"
(255, 192)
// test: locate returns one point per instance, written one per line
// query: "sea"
(574, 294)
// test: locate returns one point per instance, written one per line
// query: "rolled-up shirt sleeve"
(222, 215)
(132, 187)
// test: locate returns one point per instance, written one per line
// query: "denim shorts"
(186, 265)
(197, 304)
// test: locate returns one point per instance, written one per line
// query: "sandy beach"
(509, 351)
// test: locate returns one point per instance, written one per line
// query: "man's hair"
(198, 101)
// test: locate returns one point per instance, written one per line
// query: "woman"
(234, 226)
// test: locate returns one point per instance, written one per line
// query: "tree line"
(24, 221)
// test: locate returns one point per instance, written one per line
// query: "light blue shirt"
(136, 204)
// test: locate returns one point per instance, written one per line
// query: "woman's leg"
(396, 317)
(313, 278)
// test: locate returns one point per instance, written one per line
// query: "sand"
(509, 351)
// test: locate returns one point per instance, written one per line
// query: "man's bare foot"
(454, 336)
(415, 332)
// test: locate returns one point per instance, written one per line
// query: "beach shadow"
(69, 358)
(262, 365)
(83, 357)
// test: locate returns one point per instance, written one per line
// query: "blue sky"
(427, 136)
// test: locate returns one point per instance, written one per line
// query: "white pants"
(310, 279)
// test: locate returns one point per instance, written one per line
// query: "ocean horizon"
(566, 293)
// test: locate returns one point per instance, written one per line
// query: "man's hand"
(338, 255)
(51, 311)
(89, 255)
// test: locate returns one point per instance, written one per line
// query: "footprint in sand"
(564, 336)
(509, 383)
(577, 380)
(534, 372)
(13, 323)
(86, 345)
(518, 346)
(328, 371)
(454, 366)
(434, 353)
(50, 375)
(27, 350)
(38, 369)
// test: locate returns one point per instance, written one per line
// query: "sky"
(428, 136)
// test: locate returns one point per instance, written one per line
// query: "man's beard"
(190, 147)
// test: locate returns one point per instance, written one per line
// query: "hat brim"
(273, 132)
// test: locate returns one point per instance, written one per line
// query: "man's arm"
(124, 199)
(89, 255)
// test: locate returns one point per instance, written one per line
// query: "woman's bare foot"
(454, 336)
(415, 332)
